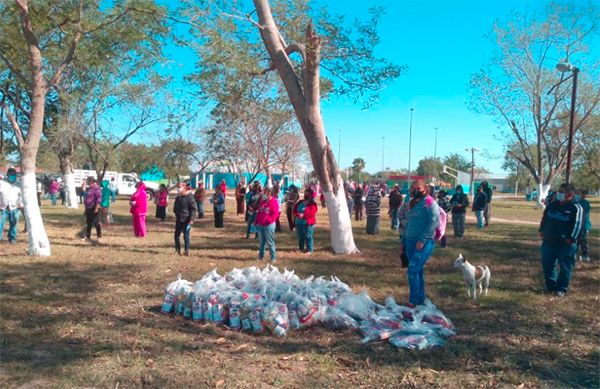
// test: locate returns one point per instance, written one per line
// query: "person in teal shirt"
(582, 243)
(105, 203)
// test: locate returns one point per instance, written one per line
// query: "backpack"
(440, 230)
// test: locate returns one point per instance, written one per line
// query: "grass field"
(88, 316)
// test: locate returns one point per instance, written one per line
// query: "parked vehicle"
(125, 181)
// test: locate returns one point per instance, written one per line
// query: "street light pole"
(471, 189)
(410, 143)
(567, 67)
(571, 122)
(435, 157)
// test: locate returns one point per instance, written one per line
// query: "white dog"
(474, 275)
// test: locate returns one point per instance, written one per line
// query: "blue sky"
(443, 43)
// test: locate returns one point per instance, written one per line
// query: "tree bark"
(38, 239)
(306, 101)
(66, 168)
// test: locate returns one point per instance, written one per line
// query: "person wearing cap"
(562, 225)
(11, 204)
(92, 203)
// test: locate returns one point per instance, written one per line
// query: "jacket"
(562, 221)
(395, 199)
(218, 202)
(459, 202)
(93, 198)
(488, 193)
(310, 213)
(422, 220)
(480, 201)
(139, 201)
(184, 207)
(200, 194)
(106, 194)
(268, 212)
(373, 204)
(162, 198)
(444, 204)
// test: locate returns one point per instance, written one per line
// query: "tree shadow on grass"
(39, 298)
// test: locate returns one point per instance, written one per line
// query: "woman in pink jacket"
(268, 212)
(139, 209)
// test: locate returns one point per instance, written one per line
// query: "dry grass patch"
(89, 315)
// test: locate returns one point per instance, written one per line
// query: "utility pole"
(435, 157)
(517, 181)
(410, 143)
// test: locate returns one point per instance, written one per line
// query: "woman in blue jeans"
(305, 214)
(422, 218)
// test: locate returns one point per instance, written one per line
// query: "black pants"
(219, 218)
(290, 217)
(91, 218)
(185, 228)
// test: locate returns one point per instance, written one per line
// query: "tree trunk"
(543, 190)
(38, 239)
(307, 106)
(66, 168)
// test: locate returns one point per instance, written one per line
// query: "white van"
(125, 181)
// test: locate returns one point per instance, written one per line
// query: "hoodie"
(106, 194)
(139, 201)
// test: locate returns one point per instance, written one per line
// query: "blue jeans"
(113, 196)
(564, 254)
(416, 264)
(266, 236)
(305, 236)
(395, 220)
(13, 219)
(251, 228)
(53, 198)
(479, 216)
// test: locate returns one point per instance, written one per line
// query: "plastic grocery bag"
(416, 341)
(358, 306)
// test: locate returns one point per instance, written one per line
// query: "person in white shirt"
(11, 203)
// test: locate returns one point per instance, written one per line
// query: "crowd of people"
(418, 217)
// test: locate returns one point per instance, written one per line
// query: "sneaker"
(261, 258)
(411, 305)
(85, 239)
(586, 259)
(12, 242)
(560, 294)
(187, 253)
(273, 261)
(308, 253)
(100, 240)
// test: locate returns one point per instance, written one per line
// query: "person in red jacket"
(267, 214)
(139, 209)
(305, 214)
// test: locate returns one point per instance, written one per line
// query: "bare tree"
(525, 92)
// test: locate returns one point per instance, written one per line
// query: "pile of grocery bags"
(257, 300)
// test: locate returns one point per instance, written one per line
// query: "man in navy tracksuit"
(561, 226)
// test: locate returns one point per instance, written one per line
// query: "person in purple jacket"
(92, 209)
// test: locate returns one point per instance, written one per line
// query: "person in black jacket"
(373, 210)
(487, 212)
(185, 213)
(394, 203)
(459, 203)
(562, 224)
(479, 204)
